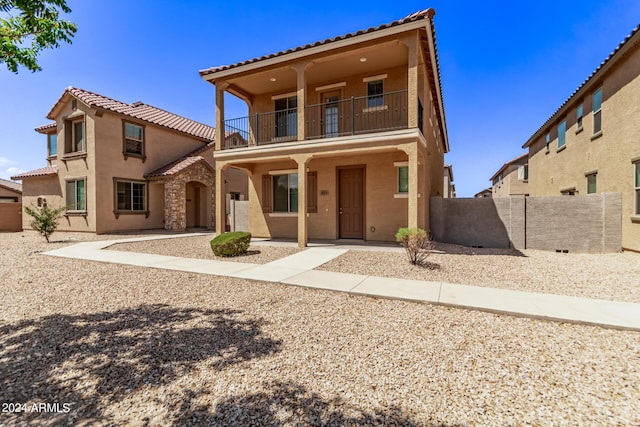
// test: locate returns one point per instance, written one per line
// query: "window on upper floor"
(592, 183)
(375, 90)
(420, 116)
(579, 114)
(547, 140)
(76, 195)
(133, 139)
(523, 172)
(597, 111)
(562, 134)
(286, 111)
(131, 196)
(75, 141)
(52, 144)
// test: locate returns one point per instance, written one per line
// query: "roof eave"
(313, 50)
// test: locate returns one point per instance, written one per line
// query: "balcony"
(334, 118)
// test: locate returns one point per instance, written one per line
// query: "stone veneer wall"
(175, 188)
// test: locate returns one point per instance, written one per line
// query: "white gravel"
(137, 346)
(614, 276)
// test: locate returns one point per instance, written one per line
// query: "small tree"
(416, 244)
(45, 219)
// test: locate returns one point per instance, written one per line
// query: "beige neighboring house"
(512, 179)
(591, 144)
(345, 137)
(119, 167)
(449, 188)
(10, 206)
(486, 193)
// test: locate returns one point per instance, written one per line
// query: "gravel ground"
(604, 276)
(198, 247)
(131, 345)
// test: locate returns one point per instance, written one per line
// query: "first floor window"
(76, 195)
(591, 183)
(375, 90)
(131, 196)
(403, 179)
(285, 193)
(637, 187)
(133, 139)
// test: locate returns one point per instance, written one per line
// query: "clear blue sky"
(506, 66)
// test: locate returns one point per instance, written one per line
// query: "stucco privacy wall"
(11, 216)
(578, 224)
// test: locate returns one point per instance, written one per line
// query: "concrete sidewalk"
(298, 270)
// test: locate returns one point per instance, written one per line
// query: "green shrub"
(416, 244)
(231, 244)
(45, 220)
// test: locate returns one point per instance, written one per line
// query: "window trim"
(128, 154)
(117, 212)
(71, 212)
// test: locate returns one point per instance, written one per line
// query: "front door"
(351, 202)
(330, 112)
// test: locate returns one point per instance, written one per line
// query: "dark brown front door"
(351, 202)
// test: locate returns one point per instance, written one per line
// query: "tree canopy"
(30, 26)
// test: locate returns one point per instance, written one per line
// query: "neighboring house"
(449, 187)
(345, 137)
(512, 179)
(591, 144)
(10, 206)
(487, 192)
(119, 166)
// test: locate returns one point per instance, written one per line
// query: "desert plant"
(45, 219)
(231, 244)
(416, 244)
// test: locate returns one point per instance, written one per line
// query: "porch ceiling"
(324, 69)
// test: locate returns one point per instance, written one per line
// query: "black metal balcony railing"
(331, 119)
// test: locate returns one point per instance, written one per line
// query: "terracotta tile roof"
(422, 14)
(140, 111)
(180, 164)
(47, 127)
(592, 77)
(10, 185)
(46, 171)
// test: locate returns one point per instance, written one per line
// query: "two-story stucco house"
(344, 138)
(591, 144)
(512, 179)
(119, 166)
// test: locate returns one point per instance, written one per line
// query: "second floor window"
(562, 134)
(78, 139)
(597, 111)
(286, 116)
(375, 89)
(637, 187)
(52, 144)
(133, 139)
(579, 114)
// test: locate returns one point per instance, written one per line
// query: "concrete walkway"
(298, 269)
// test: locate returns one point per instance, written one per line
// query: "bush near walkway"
(45, 219)
(231, 244)
(416, 244)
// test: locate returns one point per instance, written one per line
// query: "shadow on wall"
(95, 360)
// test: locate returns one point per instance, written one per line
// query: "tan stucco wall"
(511, 185)
(382, 210)
(8, 193)
(610, 154)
